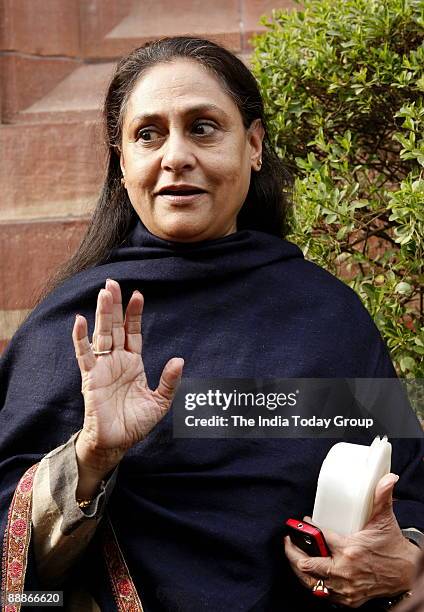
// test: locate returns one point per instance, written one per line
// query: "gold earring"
(123, 182)
(259, 163)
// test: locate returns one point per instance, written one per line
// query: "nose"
(177, 154)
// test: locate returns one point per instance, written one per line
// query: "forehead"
(175, 87)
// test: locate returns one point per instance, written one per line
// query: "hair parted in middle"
(268, 199)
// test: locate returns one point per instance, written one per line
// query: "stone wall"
(55, 61)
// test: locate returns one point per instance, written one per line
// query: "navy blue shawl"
(200, 521)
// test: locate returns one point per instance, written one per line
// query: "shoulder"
(329, 316)
(315, 286)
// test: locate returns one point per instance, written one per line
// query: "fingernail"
(76, 316)
(136, 292)
(395, 479)
(391, 479)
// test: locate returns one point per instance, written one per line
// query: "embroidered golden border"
(124, 591)
(16, 544)
(16, 539)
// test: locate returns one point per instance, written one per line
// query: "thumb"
(383, 497)
(170, 379)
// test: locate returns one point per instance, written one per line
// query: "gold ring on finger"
(97, 353)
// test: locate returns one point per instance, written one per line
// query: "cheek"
(140, 183)
(237, 180)
(231, 169)
(140, 169)
(139, 174)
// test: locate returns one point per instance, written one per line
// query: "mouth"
(180, 194)
(180, 190)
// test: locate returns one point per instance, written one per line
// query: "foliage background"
(343, 86)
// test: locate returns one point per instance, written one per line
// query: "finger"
(132, 325)
(102, 336)
(299, 560)
(118, 332)
(316, 566)
(335, 542)
(83, 351)
(319, 567)
(170, 379)
(311, 569)
(333, 539)
(383, 498)
(295, 556)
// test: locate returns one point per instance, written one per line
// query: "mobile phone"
(308, 538)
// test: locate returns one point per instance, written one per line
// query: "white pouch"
(346, 484)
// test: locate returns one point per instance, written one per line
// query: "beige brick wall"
(55, 61)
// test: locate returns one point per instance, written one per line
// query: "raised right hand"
(120, 408)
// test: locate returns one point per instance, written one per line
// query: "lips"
(180, 190)
(180, 195)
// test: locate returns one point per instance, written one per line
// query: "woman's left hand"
(374, 562)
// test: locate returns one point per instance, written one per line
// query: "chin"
(182, 230)
(185, 234)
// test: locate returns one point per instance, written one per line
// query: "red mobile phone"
(308, 538)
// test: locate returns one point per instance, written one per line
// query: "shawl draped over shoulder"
(200, 521)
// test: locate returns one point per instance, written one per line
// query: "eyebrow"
(191, 110)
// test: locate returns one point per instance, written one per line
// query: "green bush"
(343, 85)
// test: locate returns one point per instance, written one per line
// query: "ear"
(255, 135)
(121, 161)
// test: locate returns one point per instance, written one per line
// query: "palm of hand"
(120, 408)
(114, 392)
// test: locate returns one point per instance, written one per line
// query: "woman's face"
(186, 156)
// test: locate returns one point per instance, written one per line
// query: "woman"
(191, 215)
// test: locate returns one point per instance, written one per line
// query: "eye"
(148, 134)
(204, 128)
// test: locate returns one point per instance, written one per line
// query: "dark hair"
(267, 200)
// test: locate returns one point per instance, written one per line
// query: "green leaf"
(407, 363)
(341, 81)
(403, 288)
(331, 218)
